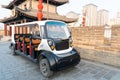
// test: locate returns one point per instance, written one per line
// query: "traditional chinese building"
(26, 11)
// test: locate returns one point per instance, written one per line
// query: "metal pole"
(47, 9)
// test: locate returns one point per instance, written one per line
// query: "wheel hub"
(43, 68)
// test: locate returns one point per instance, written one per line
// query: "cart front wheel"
(45, 68)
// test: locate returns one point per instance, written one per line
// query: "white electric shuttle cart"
(48, 43)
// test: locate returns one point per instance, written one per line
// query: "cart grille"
(62, 45)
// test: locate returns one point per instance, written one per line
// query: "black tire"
(45, 68)
(13, 50)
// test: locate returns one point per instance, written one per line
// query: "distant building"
(102, 17)
(116, 20)
(91, 14)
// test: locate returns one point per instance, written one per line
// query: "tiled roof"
(33, 15)
(18, 2)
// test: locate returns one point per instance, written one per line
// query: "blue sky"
(113, 6)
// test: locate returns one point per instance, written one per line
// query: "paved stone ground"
(20, 68)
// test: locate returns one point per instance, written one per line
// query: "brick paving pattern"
(20, 68)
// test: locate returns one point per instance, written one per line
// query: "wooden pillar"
(22, 21)
(25, 27)
(10, 31)
(5, 29)
(15, 28)
(18, 30)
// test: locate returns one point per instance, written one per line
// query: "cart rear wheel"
(45, 68)
(13, 50)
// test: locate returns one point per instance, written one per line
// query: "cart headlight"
(51, 44)
(70, 42)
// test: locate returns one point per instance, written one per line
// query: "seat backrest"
(36, 41)
(16, 37)
(21, 38)
(27, 40)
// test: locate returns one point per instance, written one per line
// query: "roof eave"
(16, 2)
(58, 17)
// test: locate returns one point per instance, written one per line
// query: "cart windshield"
(57, 30)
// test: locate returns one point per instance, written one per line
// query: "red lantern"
(40, 6)
(40, 15)
(83, 22)
(40, 1)
(83, 18)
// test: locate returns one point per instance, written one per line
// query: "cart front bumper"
(66, 60)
